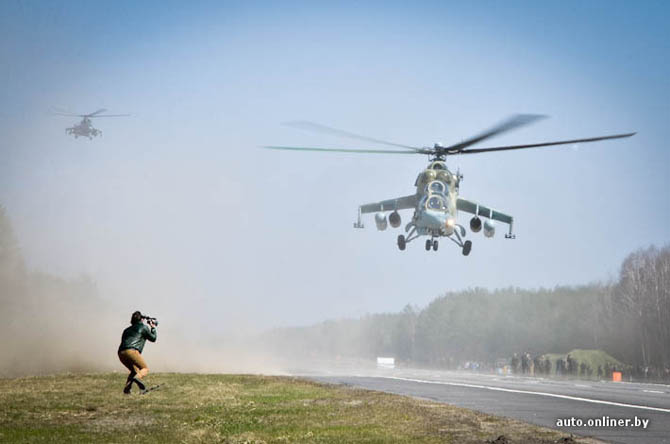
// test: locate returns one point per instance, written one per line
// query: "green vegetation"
(470, 325)
(628, 319)
(235, 409)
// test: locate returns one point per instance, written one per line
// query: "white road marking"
(653, 391)
(635, 383)
(528, 392)
(582, 385)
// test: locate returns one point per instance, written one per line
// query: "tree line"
(629, 319)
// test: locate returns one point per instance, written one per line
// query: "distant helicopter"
(85, 127)
(436, 201)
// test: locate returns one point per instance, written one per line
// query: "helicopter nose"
(436, 219)
(449, 224)
(439, 220)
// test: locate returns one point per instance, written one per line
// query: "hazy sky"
(176, 210)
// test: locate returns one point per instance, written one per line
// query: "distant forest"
(629, 319)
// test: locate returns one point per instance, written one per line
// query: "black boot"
(139, 383)
(129, 384)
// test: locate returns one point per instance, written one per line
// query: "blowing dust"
(50, 324)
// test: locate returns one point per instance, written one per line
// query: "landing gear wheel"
(402, 242)
(467, 246)
(429, 243)
(435, 245)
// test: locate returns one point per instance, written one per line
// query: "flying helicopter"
(85, 127)
(436, 201)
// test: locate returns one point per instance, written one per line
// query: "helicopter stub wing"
(482, 210)
(399, 203)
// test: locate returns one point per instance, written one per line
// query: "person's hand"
(152, 324)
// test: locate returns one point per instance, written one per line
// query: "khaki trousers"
(133, 361)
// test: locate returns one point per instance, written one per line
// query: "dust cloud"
(50, 324)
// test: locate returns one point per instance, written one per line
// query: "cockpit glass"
(435, 203)
(437, 187)
(437, 166)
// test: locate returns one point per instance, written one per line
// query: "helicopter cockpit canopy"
(437, 187)
(436, 195)
(435, 202)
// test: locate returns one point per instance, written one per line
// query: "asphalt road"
(534, 400)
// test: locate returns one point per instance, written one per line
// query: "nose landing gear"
(432, 243)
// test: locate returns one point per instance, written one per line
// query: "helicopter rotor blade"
(110, 115)
(536, 145)
(511, 123)
(101, 110)
(342, 150)
(62, 112)
(311, 126)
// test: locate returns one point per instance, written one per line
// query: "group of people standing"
(525, 364)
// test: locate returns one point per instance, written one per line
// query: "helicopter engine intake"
(394, 219)
(380, 221)
(489, 228)
(475, 224)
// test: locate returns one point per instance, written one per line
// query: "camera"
(150, 319)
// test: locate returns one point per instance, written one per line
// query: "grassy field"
(193, 408)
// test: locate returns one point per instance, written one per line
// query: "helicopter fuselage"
(436, 208)
(436, 204)
(84, 129)
(436, 193)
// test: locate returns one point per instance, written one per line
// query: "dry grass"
(237, 409)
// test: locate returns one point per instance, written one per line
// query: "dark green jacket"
(136, 335)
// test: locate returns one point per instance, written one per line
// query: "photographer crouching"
(130, 350)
